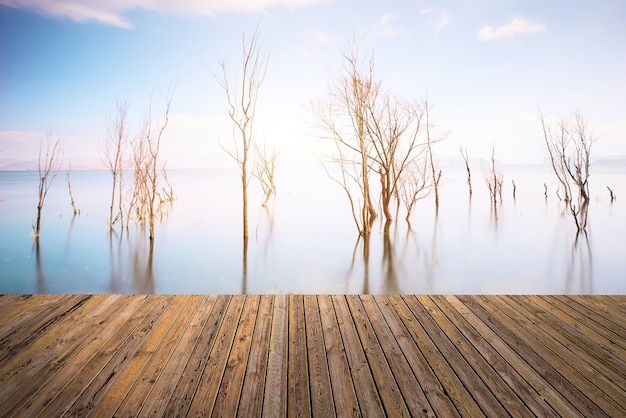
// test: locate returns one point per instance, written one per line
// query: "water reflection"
(579, 271)
(132, 252)
(41, 277)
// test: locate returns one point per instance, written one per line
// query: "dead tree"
(436, 173)
(48, 166)
(569, 147)
(114, 150)
(343, 118)
(611, 194)
(494, 179)
(415, 185)
(69, 187)
(467, 167)
(242, 110)
(264, 170)
(395, 130)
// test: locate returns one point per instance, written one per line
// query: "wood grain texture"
(312, 355)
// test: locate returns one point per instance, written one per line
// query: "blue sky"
(486, 66)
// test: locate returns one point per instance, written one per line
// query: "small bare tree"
(264, 170)
(467, 167)
(494, 179)
(151, 167)
(49, 166)
(69, 187)
(569, 147)
(415, 185)
(436, 173)
(242, 110)
(114, 155)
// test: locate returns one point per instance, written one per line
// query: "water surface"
(306, 241)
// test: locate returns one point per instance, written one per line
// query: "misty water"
(306, 240)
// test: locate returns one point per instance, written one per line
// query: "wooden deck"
(166, 355)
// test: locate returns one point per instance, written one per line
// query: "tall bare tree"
(431, 140)
(151, 168)
(49, 166)
(569, 147)
(242, 104)
(114, 155)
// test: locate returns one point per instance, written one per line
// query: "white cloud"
(384, 29)
(517, 26)
(442, 22)
(111, 12)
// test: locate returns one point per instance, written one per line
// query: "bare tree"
(114, 150)
(494, 179)
(394, 129)
(415, 185)
(569, 147)
(49, 166)
(344, 119)
(264, 170)
(242, 110)
(69, 187)
(152, 168)
(467, 167)
(436, 173)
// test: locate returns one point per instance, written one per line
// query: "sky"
(486, 66)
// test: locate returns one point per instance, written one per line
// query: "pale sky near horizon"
(487, 66)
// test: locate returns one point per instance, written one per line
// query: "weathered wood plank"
(229, 392)
(314, 355)
(543, 391)
(49, 353)
(488, 402)
(156, 360)
(253, 390)
(500, 359)
(161, 393)
(574, 347)
(364, 385)
(598, 313)
(298, 394)
(322, 404)
(97, 389)
(23, 331)
(557, 371)
(187, 385)
(344, 394)
(275, 396)
(209, 384)
(94, 356)
(426, 379)
(457, 392)
(367, 323)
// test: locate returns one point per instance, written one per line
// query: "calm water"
(306, 241)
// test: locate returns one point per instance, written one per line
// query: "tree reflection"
(580, 268)
(41, 278)
(390, 276)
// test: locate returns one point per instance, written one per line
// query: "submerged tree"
(376, 135)
(467, 168)
(150, 196)
(69, 187)
(494, 179)
(242, 110)
(569, 147)
(264, 170)
(114, 155)
(48, 166)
